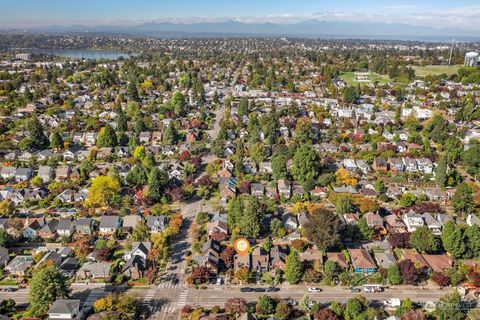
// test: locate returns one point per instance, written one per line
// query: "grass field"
(435, 70)
(349, 77)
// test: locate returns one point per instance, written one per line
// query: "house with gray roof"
(109, 224)
(64, 309)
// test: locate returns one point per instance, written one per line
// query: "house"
(108, 225)
(62, 172)
(290, 222)
(418, 260)
(362, 261)
(135, 267)
(217, 226)
(23, 174)
(284, 188)
(66, 196)
(425, 165)
(278, 257)
(339, 258)
(19, 265)
(432, 224)
(84, 225)
(156, 223)
(49, 230)
(410, 164)
(94, 270)
(65, 309)
(385, 259)
(210, 256)
(311, 256)
(65, 227)
(130, 222)
(3, 257)
(138, 249)
(227, 187)
(320, 192)
(395, 224)
(379, 164)
(473, 220)
(7, 172)
(374, 220)
(260, 260)
(438, 262)
(413, 221)
(46, 173)
(257, 189)
(396, 165)
(31, 230)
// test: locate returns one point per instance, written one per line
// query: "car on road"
(259, 290)
(175, 281)
(312, 289)
(355, 290)
(219, 281)
(246, 289)
(10, 289)
(273, 289)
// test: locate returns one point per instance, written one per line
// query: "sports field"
(435, 70)
(350, 77)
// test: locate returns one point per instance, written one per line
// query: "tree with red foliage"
(218, 236)
(228, 256)
(196, 161)
(399, 240)
(325, 314)
(413, 315)
(441, 279)
(408, 271)
(474, 277)
(236, 305)
(103, 254)
(184, 155)
(200, 275)
(176, 194)
(205, 181)
(244, 187)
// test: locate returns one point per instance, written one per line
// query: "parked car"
(273, 289)
(355, 290)
(314, 290)
(246, 289)
(259, 290)
(219, 281)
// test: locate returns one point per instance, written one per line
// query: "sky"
(463, 14)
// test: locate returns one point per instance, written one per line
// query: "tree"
(141, 232)
(407, 199)
(325, 314)
(46, 286)
(102, 190)
(121, 120)
(293, 268)
(265, 305)
(380, 187)
(462, 200)
(394, 276)
(471, 160)
(228, 257)
(343, 178)
(448, 308)
(306, 164)
(408, 271)
(257, 152)
(353, 308)
(132, 91)
(350, 94)
(323, 229)
(157, 181)
(440, 279)
(200, 274)
(472, 240)
(235, 305)
(441, 177)
(7, 306)
(37, 138)
(5, 238)
(424, 240)
(178, 102)
(343, 204)
(56, 141)
(413, 315)
(282, 311)
(366, 232)
(279, 165)
(243, 274)
(137, 176)
(107, 137)
(330, 269)
(453, 240)
(399, 240)
(7, 208)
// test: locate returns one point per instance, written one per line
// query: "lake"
(76, 54)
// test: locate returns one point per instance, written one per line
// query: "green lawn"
(349, 77)
(435, 70)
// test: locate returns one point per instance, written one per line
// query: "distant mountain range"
(309, 28)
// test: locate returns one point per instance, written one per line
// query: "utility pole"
(451, 52)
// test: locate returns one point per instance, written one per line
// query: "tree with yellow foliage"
(343, 178)
(102, 190)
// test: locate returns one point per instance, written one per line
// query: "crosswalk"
(169, 285)
(182, 299)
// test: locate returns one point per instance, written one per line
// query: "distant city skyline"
(462, 14)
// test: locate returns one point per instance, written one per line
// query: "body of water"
(76, 54)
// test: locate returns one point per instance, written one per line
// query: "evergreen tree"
(441, 177)
(56, 141)
(462, 200)
(121, 120)
(137, 176)
(132, 91)
(293, 268)
(46, 286)
(107, 137)
(37, 138)
(157, 180)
